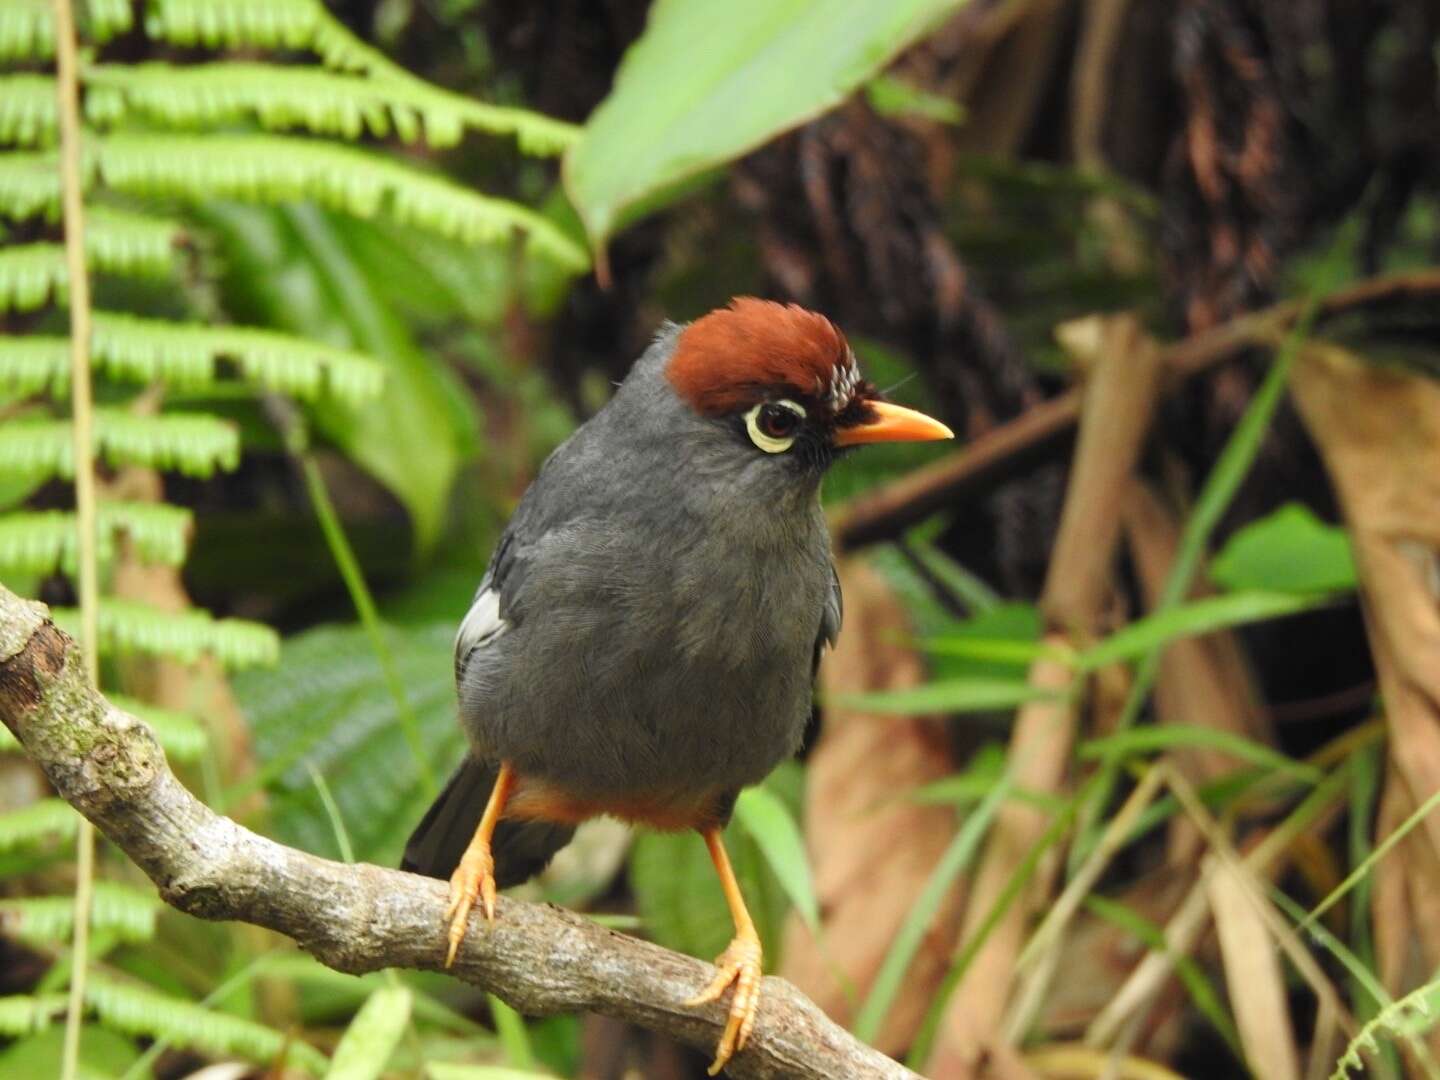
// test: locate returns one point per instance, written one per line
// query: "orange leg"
(474, 877)
(738, 964)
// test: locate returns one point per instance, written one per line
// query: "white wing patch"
(481, 626)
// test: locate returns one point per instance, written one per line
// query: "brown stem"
(989, 461)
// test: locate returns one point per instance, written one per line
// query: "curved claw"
(738, 964)
(473, 879)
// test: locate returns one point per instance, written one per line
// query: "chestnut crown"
(754, 351)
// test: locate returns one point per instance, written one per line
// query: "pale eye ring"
(773, 425)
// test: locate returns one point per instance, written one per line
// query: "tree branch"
(977, 469)
(539, 958)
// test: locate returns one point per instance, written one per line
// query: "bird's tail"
(521, 848)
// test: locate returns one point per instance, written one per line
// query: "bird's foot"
(738, 964)
(473, 879)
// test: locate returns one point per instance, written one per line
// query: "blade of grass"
(948, 695)
(1360, 872)
(514, 1038)
(957, 857)
(349, 567)
(1192, 976)
(770, 824)
(1202, 616)
(1137, 741)
(930, 1026)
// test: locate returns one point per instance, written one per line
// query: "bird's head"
(786, 382)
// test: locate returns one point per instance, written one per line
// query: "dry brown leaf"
(1253, 977)
(1378, 430)
(872, 849)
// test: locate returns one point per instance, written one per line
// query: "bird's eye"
(773, 425)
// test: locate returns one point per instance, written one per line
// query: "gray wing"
(830, 620)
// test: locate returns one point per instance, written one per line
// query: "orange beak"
(893, 423)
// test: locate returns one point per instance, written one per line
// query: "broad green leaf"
(1146, 740)
(1196, 617)
(1291, 551)
(708, 82)
(949, 696)
(104, 1055)
(771, 825)
(370, 1040)
(297, 269)
(441, 1070)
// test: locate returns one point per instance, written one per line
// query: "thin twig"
(979, 468)
(82, 415)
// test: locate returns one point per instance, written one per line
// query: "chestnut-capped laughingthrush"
(644, 642)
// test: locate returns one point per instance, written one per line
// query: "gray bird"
(644, 642)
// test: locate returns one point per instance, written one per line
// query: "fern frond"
(25, 1014)
(128, 626)
(41, 819)
(190, 443)
(180, 735)
(27, 108)
(140, 1011)
(320, 101)
(27, 30)
(29, 275)
(44, 541)
(30, 184)
(118, 909)
(1410, 1017)
(149, 349)
(153, 350)
(27, 27)
(115, 243)
(307, 24)
(277, 168)
(124, 242)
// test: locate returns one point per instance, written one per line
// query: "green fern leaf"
(115, 242)
(182, 736)
(29, 275)
(27, 27)
(27, 30)
(152, 350)
(277, 169)
(1412, 1016)
(127, 913)
(42, 819)
(284, 97)
(30, 183)
(44, 541)
(140, 1011)
(128, 626)
(326, 705)
(27, 107)
(307, 24)
(24, 1014)
(191, 443)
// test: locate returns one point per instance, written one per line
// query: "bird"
(644, 642)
